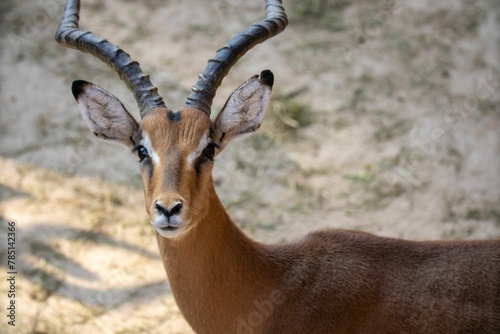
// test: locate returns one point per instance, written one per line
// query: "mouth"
(169, 228)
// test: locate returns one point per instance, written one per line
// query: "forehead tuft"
(189, 115)
(165, 127)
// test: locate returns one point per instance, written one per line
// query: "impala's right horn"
(68, 34)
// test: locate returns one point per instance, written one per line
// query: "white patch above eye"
(146, 142)
(204, 141)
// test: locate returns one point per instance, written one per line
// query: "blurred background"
(385, 118)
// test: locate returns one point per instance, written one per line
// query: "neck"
(215, 267)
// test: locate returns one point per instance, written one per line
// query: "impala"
(332, 281)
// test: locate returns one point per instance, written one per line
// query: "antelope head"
(176, 149)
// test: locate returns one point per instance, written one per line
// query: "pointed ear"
(104, 114)
(245, 109)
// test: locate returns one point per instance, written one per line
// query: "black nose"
(175, 209)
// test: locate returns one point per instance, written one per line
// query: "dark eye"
(142, 153)
(209, 151)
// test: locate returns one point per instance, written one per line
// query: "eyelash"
(137, 149)
(211, 146)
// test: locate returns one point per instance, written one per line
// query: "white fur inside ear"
(245, 109)
(105, 115)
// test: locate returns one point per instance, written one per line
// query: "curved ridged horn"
(203, 92)
(69, 35)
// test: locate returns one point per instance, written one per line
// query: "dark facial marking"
(150, 166)
(197, 165)
(206, 156)
(174, 116)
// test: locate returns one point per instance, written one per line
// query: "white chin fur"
(159, 224)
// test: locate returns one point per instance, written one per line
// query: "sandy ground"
(385, 119)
